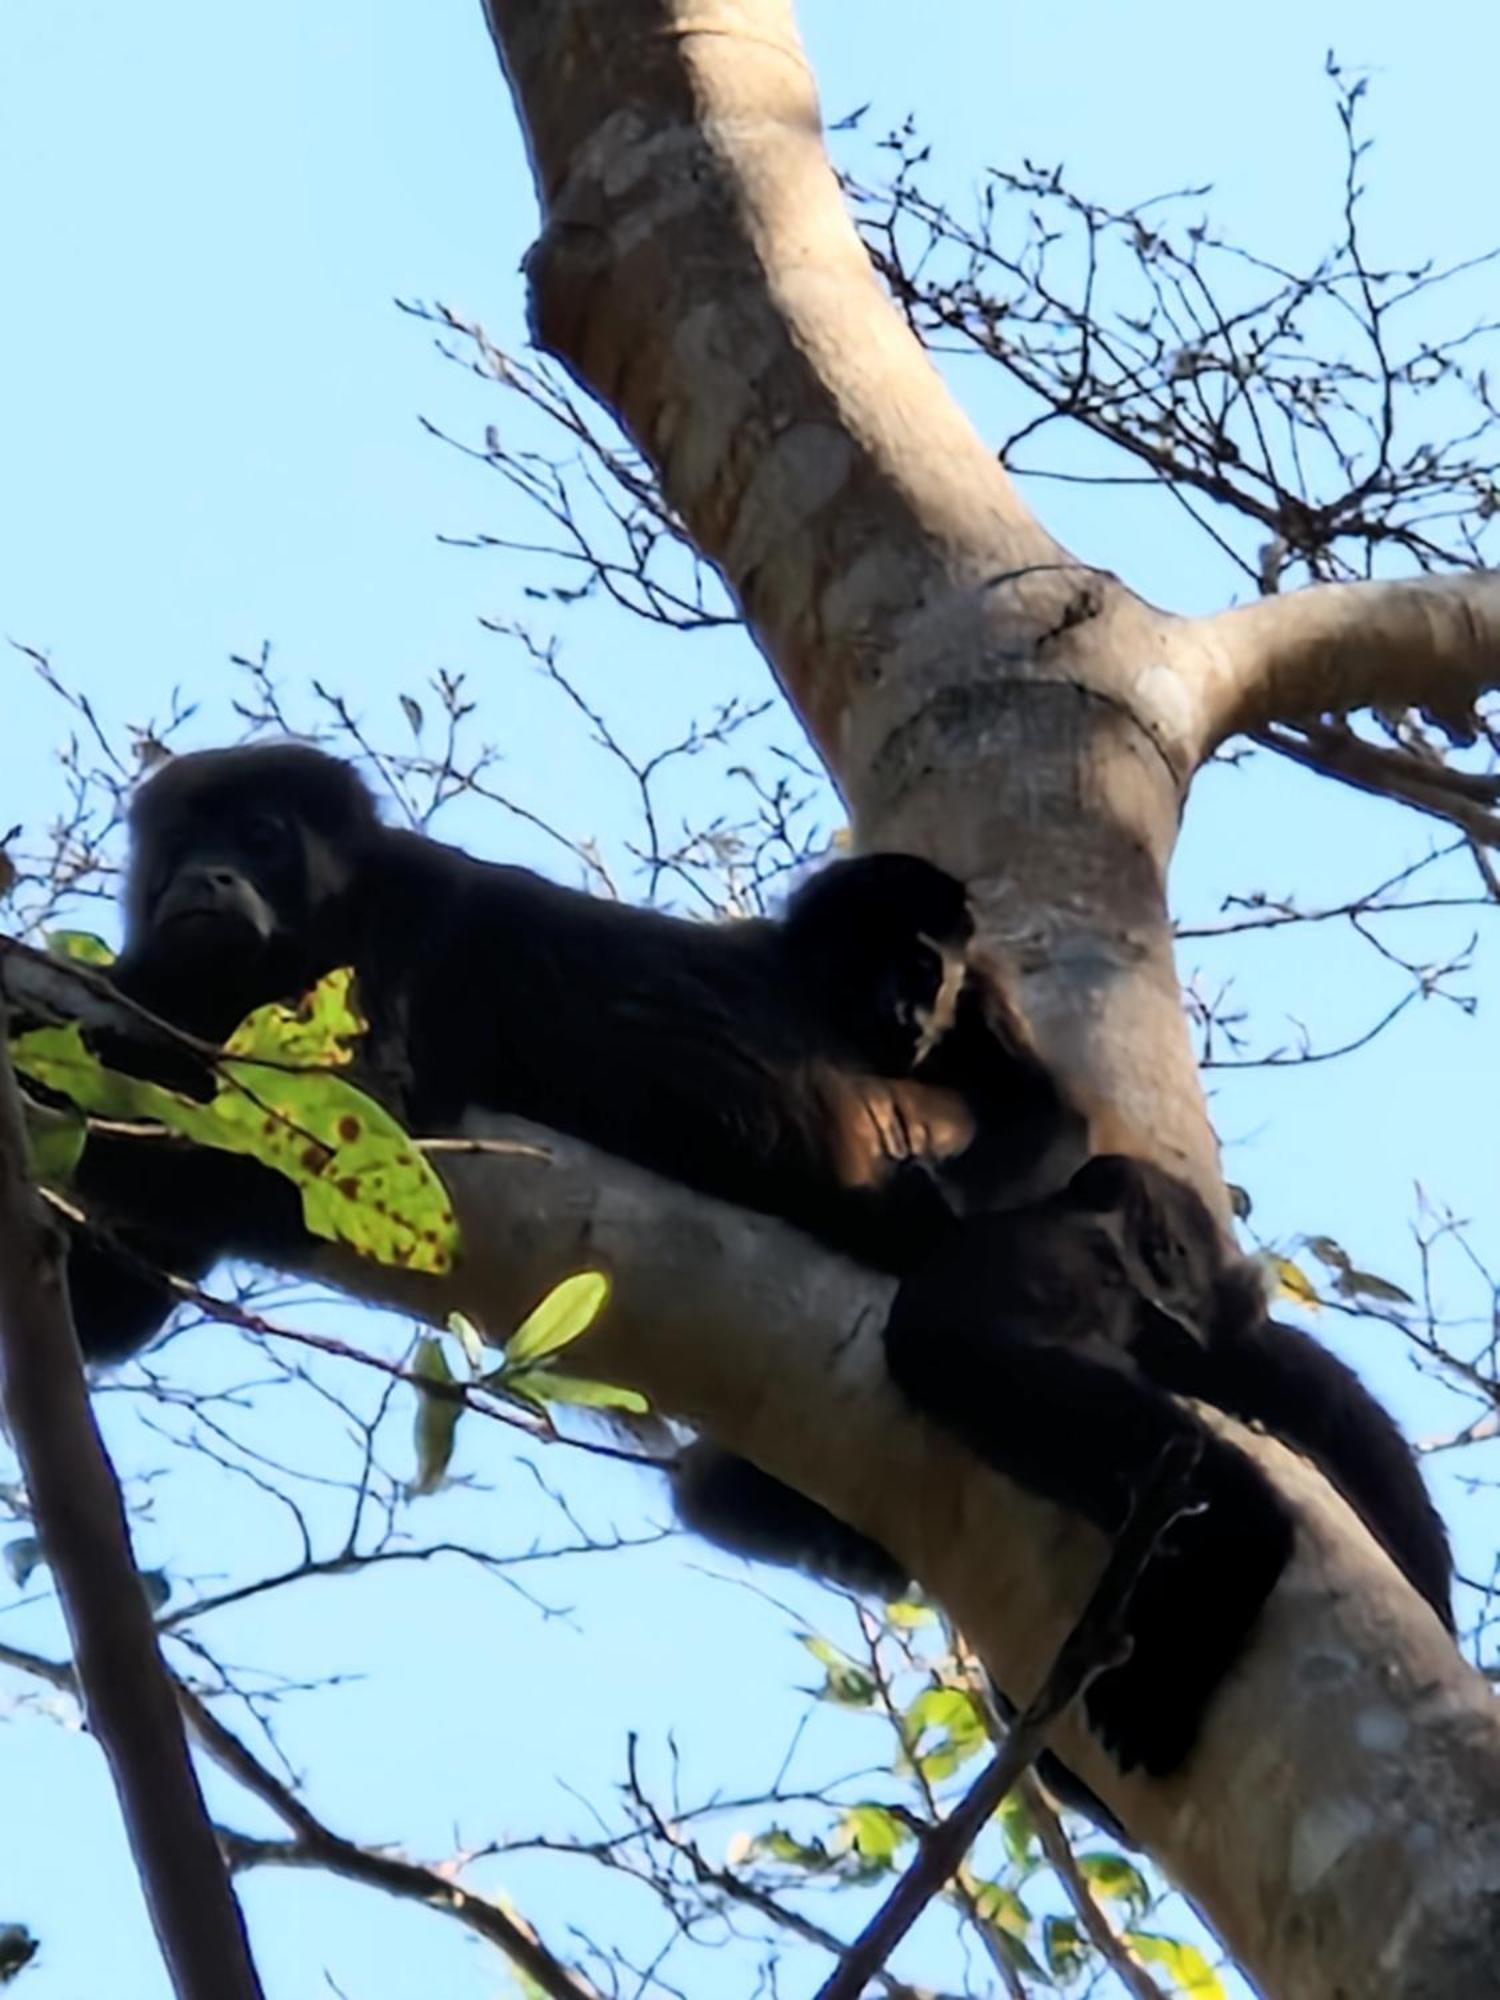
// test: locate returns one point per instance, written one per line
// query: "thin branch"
(315, 1845)
(1096, 1642)
(81, 1522)
(1459, 797)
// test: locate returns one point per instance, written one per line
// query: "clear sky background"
(209, 437)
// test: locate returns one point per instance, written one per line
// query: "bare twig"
(1096, 1642)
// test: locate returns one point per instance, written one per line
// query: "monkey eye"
(264, 833)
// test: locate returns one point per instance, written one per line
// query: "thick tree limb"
(979, 695)
(81, 1523)
(798, 425)
(1363, 1741)
(1431, 643)
(1365, 1753)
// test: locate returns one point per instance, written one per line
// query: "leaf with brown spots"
(279, 1100)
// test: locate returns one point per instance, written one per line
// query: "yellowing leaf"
(996, 1904)
(541, 1386)
(848, 1685)
(955, 1717)
(1183, 1964)
(361, 1179)
(1066, 1952)
(906, 1615)
(1286, 1280)
(81, 946)
(568, 1310)
(1114, 1876)
(874, 1834)
(319, 1030)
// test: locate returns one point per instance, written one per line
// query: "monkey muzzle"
(214, 907)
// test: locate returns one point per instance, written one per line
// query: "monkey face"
(238, 863)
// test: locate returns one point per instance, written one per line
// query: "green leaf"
(568, 1310)
(1112, 1875)
(55, 1136)
(1001, 1906)
(469, 1338)
(80, 946)
(955, 1717)
(1328, 1252)
(1351, 1283)
(1017, 1830)
(542, 1386)
(1017, 1957)
(848, 1685)
(1184, 1964)
(874, 1834)
(1365, 1285)
(776, 1844)
(1063, 1946)
(437, 1417)
(906, 1615)
(362, 1181)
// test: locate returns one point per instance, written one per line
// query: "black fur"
(855, 1069)
(848, 1069)
(1056, 1340)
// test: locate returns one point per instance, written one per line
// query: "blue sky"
(209, 437)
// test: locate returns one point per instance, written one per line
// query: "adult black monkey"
(1054, 1341)
(851, 1068)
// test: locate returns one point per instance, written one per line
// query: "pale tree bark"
(982, 697)
(1432, 643)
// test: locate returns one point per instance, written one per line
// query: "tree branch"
(959, 670)
(798, 425)
(81, 1524)
(1431, 643)
(1351, 1691)
(1465, 799)
(315, 1845)
(1097, 1641)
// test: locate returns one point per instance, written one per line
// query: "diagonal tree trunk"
(983, 697)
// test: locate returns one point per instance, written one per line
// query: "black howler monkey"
(847, 1068)
(1056, 1340)
(854, 1069)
